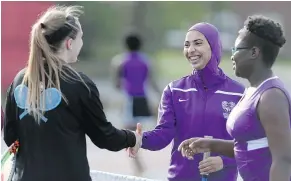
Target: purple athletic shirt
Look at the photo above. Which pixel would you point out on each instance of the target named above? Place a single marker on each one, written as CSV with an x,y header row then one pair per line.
x,y
134,72
189,110
251,149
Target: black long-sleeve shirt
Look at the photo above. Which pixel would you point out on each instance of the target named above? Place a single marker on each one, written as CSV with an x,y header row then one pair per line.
x,y
56,149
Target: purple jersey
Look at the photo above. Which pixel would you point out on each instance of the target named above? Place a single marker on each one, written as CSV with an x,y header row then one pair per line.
x,y
194,106
134,72
251,149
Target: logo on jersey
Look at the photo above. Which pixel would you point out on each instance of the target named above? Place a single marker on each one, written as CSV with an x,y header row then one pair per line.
x,y
227,108
53,98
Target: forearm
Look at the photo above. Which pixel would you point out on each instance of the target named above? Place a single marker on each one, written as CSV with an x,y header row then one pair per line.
x,y
119,140
280,170
223,147
157,139
104,135
10,132
9,137
117,81
165,131
117,84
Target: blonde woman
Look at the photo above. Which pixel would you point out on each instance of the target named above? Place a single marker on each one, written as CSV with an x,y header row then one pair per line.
x,y
50,107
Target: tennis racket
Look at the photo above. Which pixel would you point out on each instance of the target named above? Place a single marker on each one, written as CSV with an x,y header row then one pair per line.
x,y
8,160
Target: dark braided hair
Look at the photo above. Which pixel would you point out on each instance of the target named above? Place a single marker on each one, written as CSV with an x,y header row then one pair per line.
x,y
266,28
267,35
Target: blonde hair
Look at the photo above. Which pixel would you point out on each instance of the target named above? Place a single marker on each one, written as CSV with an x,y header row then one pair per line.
x,y
41,53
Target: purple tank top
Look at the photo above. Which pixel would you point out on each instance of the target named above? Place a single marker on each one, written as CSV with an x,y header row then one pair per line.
x,y
134,70
251,149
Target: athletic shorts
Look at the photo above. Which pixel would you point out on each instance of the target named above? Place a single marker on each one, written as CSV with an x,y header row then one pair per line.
x,y
136,109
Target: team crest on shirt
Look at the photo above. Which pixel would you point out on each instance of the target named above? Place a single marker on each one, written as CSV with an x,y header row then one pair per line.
x,y
227,108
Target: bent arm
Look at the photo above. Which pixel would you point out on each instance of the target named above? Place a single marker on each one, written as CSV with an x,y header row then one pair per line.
x,y
10,119
165,131
116,71
273,110
222,147
102,133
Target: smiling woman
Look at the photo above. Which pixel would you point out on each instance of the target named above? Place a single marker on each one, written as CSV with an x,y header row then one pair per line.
x,y
263,115
197,105
197,49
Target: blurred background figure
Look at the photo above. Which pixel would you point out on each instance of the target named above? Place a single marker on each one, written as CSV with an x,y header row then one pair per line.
x,y
132,74
162,27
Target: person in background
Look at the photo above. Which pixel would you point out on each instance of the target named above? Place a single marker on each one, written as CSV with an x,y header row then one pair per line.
x,y
133,74
197,105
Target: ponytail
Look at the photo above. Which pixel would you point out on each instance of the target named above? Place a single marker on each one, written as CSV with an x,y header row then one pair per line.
x,y
44,65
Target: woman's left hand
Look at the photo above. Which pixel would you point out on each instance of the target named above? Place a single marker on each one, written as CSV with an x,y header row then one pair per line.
x,y
210,165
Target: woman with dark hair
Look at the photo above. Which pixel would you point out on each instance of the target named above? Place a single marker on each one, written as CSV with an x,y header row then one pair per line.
x,y
260,123
197,105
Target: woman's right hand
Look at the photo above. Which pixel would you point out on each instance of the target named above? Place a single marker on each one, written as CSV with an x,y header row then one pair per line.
x,y
192,146
138,136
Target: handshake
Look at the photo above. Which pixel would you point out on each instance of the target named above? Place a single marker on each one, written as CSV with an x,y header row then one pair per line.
x,y
132,151
188,149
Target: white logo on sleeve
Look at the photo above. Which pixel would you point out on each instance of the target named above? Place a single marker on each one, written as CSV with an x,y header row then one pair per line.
x,y
183,100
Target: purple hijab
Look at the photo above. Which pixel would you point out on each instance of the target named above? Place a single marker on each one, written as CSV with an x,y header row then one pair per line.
x,y
211,75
